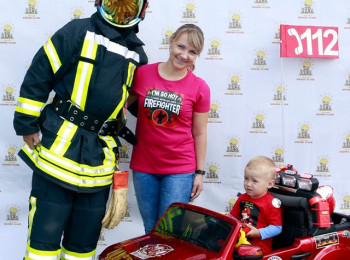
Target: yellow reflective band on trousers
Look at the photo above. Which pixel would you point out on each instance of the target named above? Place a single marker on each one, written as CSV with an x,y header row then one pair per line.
x,y
31,216
68,255
34,254
29,106
52,56
70,171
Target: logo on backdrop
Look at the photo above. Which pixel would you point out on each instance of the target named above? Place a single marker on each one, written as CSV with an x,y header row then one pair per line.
x,y
346,144
7,34
279,96
101,239
162,107
8,97
305,73
347,25
166,39
231,202
233,148
325,107
304,135
31,10
235,24
278,157
345,205
277,35
261,4
189,13
347,83
307,10
322,168
12,216
214,50
124,152
77,13
258,125
236,186
148,8
10,158
234,85
260,62
212,175
214,115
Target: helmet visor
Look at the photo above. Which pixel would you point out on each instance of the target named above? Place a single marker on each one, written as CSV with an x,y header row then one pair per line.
x,y
121,13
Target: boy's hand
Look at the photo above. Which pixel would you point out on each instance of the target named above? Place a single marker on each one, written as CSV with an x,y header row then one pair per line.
x,y
254,232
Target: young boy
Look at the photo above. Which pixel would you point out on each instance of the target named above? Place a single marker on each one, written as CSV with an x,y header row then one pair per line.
x,y
257,208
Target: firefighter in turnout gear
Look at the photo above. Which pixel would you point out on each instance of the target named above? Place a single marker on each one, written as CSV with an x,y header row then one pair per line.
x,y
71,141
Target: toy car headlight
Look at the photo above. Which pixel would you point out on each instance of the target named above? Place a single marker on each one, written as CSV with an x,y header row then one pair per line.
x,y
290,172
306,182
277,178
288,180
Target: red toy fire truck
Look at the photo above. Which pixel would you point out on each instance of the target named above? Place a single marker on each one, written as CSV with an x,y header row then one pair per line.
x,y
311,230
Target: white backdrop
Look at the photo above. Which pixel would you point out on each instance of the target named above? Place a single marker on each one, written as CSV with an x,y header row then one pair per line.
x,y
293,110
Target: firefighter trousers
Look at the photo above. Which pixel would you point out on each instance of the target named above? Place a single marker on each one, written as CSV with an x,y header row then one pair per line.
x,y
63,224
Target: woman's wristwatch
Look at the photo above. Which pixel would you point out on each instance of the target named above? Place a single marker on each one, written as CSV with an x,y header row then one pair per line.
x,y
200,172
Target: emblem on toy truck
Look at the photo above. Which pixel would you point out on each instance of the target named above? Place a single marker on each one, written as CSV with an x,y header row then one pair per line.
x,y
153,250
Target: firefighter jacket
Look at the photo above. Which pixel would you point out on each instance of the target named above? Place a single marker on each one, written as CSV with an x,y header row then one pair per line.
x,y
91,64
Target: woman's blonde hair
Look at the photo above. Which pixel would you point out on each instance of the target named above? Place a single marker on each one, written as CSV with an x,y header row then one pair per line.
x,y
195,36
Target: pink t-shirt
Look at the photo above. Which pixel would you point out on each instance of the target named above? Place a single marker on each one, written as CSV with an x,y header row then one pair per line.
x,y
164,123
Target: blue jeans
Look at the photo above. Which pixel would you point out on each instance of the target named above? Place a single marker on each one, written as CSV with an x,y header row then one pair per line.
x,y
155,193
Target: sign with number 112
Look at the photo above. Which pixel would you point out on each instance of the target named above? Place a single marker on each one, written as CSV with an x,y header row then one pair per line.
x,y
309,41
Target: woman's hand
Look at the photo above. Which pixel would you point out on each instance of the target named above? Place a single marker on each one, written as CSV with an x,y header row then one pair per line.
x,y
32,140
199,132
197,186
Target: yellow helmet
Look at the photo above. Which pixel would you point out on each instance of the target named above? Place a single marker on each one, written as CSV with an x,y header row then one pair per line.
x,y
122,13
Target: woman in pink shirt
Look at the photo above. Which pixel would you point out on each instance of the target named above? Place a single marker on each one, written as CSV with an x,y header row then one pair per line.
x,y
171,130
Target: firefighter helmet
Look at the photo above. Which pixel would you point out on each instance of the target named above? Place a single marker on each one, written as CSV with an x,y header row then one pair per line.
x,y
122,13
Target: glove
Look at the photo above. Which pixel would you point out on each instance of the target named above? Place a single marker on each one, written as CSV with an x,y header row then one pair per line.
x,y
118,201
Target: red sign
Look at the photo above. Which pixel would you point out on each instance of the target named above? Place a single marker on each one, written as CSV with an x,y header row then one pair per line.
x,y
309,41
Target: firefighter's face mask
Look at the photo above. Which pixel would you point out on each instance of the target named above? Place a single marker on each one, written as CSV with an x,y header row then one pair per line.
x,y
122,13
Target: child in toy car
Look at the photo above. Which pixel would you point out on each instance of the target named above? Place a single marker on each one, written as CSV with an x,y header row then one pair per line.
x,y
257,208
